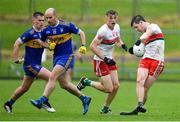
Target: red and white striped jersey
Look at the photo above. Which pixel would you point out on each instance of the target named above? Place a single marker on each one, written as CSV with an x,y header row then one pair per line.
x,y
154,45
108,37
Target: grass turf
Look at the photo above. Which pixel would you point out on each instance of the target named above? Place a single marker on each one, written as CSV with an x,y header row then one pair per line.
x,y
162,104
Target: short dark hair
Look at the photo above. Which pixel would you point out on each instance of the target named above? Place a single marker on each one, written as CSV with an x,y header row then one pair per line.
x,y
136,19
112,12
35,14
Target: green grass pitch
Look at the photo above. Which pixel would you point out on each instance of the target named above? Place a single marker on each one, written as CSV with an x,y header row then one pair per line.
x,y
163,103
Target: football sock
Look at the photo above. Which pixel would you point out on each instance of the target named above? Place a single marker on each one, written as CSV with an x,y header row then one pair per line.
x,y
43,99
105,107
141,104
11,102
87,82
81,97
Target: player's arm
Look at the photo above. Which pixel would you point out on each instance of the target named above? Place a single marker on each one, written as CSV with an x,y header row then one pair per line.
x,y
47,44
93,47
142,38
146,35
121,44
82,37
16,48
82,49
44,44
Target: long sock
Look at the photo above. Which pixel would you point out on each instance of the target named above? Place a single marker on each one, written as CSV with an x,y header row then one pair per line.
x,y
141,104
81,97
11,102
43,99
106,107
87,82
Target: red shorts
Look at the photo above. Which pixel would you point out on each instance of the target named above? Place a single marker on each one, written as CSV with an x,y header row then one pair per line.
x,y
155,67
102,69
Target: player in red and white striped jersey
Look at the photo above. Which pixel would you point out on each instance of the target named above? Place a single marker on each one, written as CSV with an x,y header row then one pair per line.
x,y
105,67
151,64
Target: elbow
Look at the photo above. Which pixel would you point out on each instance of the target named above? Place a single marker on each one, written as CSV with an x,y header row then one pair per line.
x,y
91,46
16,46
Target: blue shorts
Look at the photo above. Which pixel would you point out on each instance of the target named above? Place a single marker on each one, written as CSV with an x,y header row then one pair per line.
x,y
32,70
66,61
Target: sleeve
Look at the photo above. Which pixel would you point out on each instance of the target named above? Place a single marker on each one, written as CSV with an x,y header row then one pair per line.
x,y
100,34
73,28
24,37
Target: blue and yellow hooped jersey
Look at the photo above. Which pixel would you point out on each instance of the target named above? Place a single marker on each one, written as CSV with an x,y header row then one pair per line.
x,y
61,35
33,50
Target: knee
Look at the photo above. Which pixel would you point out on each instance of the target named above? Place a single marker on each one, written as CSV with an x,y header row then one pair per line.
x,y
52,78
140,82
108,90
116,86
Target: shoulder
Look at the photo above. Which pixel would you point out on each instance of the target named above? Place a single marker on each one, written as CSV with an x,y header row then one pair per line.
x,y
153,25
117,26
154,28
65,23
29,31
103,28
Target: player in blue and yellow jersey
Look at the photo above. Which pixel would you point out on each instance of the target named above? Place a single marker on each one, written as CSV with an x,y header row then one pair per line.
x,y
59,32
32,60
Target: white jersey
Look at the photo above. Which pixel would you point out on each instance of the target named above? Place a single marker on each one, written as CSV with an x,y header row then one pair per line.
x,y
154,45
108,37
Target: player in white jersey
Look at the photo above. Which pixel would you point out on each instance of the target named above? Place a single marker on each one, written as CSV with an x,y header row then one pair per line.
x,y
105,67
151,64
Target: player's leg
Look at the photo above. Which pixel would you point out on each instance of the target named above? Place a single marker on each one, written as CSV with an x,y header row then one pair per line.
x,y
142,75
102,71
154,72
71,88
69,74
110,96
149,82
44,74
26,84
56,72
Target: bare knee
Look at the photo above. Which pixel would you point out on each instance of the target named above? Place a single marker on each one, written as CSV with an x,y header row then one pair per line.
x,y
140,83
108,90
116,87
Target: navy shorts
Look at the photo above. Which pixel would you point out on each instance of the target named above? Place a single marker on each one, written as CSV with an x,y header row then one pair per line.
x,y
32,70
66,61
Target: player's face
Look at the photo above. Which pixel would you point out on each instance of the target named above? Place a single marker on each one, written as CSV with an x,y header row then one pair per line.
x,y
38,22
111,20
139,27
51,19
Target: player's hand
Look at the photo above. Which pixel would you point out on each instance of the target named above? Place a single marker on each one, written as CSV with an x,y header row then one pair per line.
x,y
82,49
131,50
109,61
124,47
19,61
138,42
52,45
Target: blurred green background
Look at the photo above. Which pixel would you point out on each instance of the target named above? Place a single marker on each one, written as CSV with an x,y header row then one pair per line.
x,y
89,15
